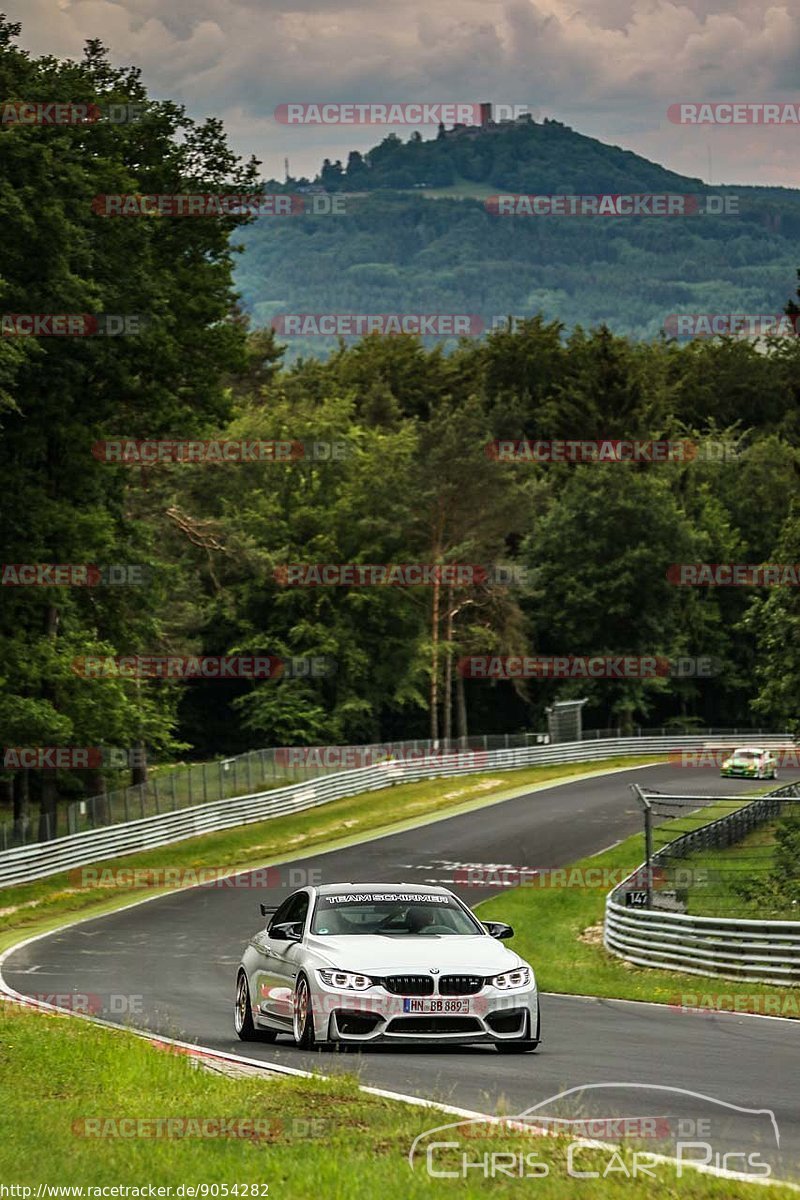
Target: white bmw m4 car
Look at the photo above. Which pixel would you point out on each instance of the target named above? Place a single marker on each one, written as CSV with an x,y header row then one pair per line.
x,y
384,963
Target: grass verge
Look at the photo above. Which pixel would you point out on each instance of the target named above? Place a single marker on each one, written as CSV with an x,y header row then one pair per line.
x,y
739,881
31,908
319,1138
560,931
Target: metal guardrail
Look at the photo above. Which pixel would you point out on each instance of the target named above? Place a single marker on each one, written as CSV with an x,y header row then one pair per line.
x,y
188,785
24,863
727,947
240,774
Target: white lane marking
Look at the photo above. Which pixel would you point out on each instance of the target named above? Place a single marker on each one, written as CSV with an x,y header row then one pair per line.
x,y
716,1012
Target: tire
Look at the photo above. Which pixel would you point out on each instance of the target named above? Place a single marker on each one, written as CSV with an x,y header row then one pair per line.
x,y
522,1045
303,1014
243,1015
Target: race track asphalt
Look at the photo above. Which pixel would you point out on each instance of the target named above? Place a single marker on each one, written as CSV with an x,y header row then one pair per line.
x,y
179,954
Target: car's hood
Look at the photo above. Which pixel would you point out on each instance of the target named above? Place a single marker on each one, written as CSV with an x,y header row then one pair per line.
x,y
377,954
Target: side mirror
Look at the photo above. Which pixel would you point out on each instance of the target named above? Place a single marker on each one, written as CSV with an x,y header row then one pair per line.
x,y
498,929
287,931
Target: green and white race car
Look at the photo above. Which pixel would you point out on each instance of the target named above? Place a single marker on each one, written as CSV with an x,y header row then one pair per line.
x,y
750,762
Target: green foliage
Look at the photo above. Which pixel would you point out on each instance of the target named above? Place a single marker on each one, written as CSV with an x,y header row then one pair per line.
x,y
415,483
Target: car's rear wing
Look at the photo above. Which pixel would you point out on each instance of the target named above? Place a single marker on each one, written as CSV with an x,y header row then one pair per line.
x,y
266,909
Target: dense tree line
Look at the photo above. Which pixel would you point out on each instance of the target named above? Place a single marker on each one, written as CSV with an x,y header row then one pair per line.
x,y
592,542
400,252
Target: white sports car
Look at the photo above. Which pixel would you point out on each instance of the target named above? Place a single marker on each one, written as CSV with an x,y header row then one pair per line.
x,y
373,962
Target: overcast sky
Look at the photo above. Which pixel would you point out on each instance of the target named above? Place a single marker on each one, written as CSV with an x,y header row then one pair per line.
x,y
608,68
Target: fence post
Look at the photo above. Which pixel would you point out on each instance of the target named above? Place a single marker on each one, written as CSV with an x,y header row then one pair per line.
x,y
648,841
172,784
205,782
191,768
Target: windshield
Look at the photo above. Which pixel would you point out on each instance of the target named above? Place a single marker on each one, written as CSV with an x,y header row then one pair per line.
x,y
747,755
392,913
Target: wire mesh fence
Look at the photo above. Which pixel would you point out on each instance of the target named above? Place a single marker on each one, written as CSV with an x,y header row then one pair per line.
x,y
732,856
186,785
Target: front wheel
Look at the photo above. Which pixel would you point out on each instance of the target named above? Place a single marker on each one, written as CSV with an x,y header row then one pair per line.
x,y
243,1015
303,1014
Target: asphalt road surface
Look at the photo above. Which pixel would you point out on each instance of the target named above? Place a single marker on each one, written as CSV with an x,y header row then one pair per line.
x,y
177,958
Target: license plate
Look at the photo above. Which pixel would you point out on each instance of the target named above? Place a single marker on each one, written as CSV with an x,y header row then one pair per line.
x,y
435,1006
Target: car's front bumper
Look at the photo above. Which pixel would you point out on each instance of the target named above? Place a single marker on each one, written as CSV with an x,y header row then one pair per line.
x,y
379,1016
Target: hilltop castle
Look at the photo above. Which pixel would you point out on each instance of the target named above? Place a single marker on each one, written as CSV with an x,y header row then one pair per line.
x,y
487,124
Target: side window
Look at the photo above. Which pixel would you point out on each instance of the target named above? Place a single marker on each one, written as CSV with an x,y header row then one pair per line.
x,y
281,914
299,910
293,909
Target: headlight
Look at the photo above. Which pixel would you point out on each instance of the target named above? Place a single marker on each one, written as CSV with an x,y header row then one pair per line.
x,y
345,980
512,979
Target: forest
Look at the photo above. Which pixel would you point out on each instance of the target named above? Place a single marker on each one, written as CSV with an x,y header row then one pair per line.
x,y
391,462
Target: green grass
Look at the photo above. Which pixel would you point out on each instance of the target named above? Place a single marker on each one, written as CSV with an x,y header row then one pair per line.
x,y
750,860
322,1139
36,907
559,930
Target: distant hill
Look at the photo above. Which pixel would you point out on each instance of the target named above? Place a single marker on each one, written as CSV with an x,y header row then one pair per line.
x,y
417,236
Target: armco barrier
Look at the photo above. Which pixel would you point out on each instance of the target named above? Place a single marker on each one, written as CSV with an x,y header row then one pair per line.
x,y
25,863
727,947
